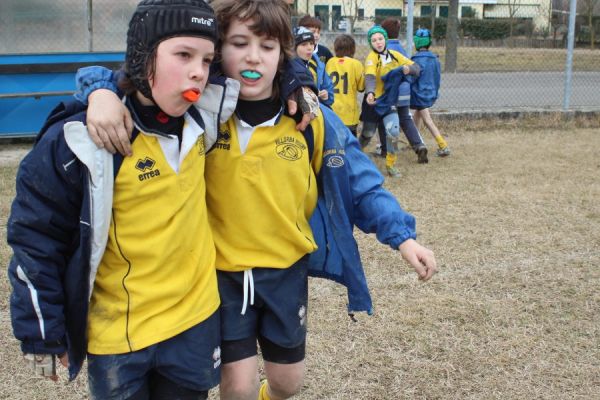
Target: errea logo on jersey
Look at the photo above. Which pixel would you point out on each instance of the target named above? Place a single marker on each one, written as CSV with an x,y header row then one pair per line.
x,y
147,167
203,21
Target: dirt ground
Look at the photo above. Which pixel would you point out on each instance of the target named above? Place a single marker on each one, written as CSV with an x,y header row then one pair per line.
x,y
514,219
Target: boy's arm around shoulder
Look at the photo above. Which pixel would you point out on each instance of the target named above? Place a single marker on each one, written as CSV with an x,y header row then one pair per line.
x,y
89,79
42,231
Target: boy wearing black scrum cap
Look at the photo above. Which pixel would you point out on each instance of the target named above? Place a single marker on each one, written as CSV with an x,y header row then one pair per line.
x,y
304,46
101,268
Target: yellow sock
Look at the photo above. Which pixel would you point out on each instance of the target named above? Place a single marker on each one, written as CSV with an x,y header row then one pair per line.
x,y
390,160
263,393
441,142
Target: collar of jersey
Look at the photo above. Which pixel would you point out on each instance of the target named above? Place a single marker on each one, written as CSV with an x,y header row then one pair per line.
x,y
271,122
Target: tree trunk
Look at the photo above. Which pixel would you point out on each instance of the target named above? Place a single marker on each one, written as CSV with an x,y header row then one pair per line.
x,y
591,23
433,9
451,37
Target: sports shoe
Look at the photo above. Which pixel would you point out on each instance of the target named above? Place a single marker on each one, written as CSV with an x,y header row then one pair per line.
x,y
377,154
422,155
393,172
443,152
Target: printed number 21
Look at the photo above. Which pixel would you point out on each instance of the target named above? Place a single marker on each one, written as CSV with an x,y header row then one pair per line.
x,y
335,78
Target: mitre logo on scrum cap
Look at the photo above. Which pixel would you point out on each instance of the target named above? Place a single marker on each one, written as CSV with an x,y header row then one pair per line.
x,y
203,21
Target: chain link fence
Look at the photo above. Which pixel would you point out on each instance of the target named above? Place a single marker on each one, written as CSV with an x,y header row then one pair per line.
x,y
509,54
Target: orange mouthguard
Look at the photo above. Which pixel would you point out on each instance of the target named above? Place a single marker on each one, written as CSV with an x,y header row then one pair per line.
x,y
191,95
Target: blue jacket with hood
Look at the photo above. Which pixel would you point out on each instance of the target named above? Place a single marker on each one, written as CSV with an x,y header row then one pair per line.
x,y
351,194
424,89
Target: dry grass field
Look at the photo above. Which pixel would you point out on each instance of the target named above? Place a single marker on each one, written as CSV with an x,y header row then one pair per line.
x,y
514,312
504,59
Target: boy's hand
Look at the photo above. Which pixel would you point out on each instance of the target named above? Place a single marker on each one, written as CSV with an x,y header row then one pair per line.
x,y
323,95
406,69
109,122
308,103
44,364
371,99
419,257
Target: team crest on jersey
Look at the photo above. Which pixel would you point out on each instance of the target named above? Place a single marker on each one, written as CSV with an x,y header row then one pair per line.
x,y
335,162
200,145
147,167
289,148
223,139
216,357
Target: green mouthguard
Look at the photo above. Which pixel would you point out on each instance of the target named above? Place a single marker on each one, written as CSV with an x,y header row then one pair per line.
x,y
251,74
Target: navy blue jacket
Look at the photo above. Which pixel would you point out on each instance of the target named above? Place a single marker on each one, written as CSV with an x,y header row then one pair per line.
x,y
49,230
424,89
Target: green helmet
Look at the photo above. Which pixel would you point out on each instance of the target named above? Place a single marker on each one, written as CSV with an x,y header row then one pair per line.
x,y
376,29
422,38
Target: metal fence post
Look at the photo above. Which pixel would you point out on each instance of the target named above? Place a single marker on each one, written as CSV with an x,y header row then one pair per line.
x,y
409,27
90,28
570,47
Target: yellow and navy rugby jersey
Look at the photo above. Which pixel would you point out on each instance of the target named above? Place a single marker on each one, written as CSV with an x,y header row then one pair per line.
x,y
379,66
312,67
157,276
260,200
347,75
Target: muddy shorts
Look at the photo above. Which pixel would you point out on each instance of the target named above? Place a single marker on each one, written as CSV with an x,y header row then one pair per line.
x,y
192,360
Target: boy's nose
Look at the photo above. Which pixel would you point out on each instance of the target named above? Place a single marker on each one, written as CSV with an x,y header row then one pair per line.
x,y
252,56
197,73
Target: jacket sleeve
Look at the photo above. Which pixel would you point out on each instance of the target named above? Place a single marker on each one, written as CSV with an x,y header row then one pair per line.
x,y
327,85
89,79
295,75
375,209
42,231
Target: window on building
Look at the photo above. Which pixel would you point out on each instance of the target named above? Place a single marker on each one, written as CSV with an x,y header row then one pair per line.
x,y
383,13
425,10
361,13
467,12
443,11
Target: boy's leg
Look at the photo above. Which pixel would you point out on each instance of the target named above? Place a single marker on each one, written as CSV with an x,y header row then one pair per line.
x,y
412,134
283,380
239,379
282,335
433,129
367,133
392,133
417,118
382,138
239,373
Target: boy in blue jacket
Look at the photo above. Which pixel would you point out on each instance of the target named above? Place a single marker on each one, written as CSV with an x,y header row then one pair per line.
x,y
425,88
304,45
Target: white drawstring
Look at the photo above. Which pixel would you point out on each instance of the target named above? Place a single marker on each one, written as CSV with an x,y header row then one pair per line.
x,y
248,280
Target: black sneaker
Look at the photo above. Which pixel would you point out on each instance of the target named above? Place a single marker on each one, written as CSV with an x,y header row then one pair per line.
x,y
422,155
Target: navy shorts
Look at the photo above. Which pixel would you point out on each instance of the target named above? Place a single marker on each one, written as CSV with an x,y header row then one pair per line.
x,y
192,360
277,319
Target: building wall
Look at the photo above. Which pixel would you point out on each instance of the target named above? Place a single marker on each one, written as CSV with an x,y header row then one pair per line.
x,y
537,10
